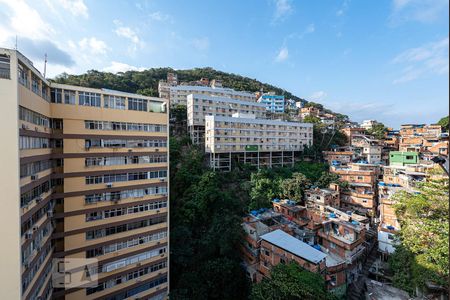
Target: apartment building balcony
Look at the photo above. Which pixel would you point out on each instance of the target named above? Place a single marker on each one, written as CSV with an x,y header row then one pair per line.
x,y
355,254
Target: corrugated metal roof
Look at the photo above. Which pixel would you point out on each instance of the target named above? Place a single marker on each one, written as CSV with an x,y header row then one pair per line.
x,y
289,243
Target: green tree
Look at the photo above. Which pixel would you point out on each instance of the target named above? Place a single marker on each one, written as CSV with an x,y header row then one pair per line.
x,y
423,250
311,119
293,188
444,123
327,178
290,282
378,131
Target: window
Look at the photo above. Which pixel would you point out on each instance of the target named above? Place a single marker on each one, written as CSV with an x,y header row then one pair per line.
x,y
35,84
5,72
56,95
137,104
23,75
115,102
89,99
69,97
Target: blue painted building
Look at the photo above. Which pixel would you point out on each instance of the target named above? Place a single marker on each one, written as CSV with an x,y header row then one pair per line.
x,y
274,103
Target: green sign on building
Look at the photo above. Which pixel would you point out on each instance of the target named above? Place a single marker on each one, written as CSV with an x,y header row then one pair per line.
x,y
251,147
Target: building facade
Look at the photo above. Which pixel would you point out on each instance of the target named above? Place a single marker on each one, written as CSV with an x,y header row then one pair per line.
x,y
178,94
87,178
258,142
200,105
273,103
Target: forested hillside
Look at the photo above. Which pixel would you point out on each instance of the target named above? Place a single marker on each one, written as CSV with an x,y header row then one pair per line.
x,y
146,82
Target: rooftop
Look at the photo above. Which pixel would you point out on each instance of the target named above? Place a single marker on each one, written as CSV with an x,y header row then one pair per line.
x,y
289,243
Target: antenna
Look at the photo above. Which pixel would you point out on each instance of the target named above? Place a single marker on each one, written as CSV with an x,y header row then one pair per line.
x,y
45,64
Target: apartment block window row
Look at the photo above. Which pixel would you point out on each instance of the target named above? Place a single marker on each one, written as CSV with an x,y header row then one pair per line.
x,y
38,191
33,117
136,193
114,102
144,239
101,143
124,126
89,99
47,291
38,166
124,160
29,223
126,277
139,289
109,178
43,253
36,244
109,267
116,212
29,142
99,233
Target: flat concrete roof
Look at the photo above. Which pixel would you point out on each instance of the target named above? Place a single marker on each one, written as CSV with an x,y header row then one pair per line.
x,y
289,243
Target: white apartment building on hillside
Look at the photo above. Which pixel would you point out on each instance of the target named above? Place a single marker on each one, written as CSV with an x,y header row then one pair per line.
x,y
200,105
259,142
178,94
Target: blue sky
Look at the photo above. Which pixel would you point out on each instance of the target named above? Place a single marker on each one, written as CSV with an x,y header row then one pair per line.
x,y
384,60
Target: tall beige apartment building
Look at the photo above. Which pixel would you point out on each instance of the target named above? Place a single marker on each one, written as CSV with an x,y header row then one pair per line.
x,y
84,175
200,105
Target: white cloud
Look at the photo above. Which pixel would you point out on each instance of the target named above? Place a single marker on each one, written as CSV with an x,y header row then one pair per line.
x,y
283,8
283,54
343,9
428,59
130,34
76,7
116,67
425,11
318,96
23,21
310,29
201,44
161,17
93,45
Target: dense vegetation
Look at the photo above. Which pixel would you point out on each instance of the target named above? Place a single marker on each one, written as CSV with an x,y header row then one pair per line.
x,y
444,123
421,259
290,281
378,131
146,82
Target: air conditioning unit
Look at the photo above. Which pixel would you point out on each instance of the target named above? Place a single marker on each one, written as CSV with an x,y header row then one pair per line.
x,y
28,235
156,150
162,179
35,228
34,177
36,129
116,201
50,214
26,265
130,150
157,210
109,185
24,126
38,199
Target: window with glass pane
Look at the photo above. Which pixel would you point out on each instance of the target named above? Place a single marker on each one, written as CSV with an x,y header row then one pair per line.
x,y
89,99
56,96
115,102
23,75
5,72
69,97
35,84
